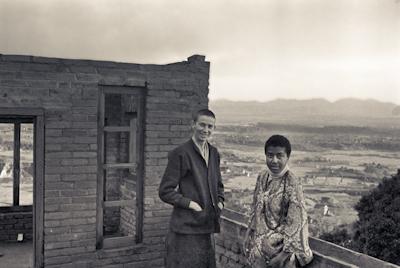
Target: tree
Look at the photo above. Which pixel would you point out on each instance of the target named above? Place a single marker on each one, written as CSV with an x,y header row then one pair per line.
x,y
377,231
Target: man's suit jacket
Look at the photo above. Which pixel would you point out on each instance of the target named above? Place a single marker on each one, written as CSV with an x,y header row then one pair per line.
x,y
187,178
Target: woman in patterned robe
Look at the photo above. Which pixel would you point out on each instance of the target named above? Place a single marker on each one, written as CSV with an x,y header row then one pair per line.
x,y
277,234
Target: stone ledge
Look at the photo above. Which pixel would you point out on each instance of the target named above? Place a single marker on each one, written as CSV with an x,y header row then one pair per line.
x,y
321,260
347,255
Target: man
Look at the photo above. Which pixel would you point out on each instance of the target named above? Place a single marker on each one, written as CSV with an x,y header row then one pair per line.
x,y
192,184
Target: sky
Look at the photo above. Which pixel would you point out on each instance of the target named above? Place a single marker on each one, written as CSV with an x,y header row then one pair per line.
x,y
258,49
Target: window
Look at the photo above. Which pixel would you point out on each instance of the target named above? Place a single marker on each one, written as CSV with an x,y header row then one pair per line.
x,y
16,162
22,145
120,166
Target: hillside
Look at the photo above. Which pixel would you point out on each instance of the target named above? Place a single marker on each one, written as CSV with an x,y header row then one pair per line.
x,y
309,112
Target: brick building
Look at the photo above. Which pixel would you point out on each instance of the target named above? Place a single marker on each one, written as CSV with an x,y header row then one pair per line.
x,y
101,134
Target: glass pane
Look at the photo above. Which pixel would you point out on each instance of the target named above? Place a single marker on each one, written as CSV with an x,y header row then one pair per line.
x,y
119,184
26,164
127,224
120,220
112,185
116,147
6,164
120,109
111,222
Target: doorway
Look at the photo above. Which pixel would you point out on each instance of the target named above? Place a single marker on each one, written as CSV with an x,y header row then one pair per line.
x,y
21,187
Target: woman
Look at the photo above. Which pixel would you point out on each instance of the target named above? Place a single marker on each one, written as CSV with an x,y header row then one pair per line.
x,y
277,234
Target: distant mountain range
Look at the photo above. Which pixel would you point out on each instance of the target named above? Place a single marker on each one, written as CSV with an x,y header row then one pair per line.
x,y
347,111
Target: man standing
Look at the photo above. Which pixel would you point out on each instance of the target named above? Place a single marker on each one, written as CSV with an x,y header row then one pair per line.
x,y
192,184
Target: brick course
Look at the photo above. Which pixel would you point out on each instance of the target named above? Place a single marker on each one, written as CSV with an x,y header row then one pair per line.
x,y
14,223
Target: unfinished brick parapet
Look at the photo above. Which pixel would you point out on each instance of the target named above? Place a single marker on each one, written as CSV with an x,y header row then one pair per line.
x,y
67,91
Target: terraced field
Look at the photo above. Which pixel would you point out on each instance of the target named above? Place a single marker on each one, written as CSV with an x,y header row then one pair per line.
x,y
333,177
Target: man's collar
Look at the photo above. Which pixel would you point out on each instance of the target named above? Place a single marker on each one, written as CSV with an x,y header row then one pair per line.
x,y
200,146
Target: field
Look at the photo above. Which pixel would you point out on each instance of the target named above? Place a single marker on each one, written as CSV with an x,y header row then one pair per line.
x,y
336,167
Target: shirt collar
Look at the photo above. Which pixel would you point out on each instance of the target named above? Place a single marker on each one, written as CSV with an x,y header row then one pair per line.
x,y
203,147
283,172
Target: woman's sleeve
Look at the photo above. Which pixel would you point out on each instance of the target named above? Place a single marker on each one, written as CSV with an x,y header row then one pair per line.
x,y
248,238
255,201
296,227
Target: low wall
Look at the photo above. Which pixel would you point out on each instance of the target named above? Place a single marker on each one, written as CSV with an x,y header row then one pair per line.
x,y
13,223
229,252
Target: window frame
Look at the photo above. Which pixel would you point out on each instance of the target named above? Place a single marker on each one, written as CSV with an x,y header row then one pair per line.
x,y
112,242
36,116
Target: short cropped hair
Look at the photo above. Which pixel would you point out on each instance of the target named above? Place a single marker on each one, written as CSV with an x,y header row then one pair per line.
x,y
278,140
205,112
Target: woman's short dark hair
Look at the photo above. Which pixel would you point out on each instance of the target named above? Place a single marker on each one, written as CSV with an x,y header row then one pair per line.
x,y
205,112
278,140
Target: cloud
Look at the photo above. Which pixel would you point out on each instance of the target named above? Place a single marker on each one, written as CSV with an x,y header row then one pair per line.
x,y
312,46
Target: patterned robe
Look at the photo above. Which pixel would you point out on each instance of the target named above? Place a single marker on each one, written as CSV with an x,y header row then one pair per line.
x,y
278,223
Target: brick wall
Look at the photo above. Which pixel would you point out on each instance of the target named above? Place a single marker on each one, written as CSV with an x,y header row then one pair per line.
x,y
67,90
14,223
